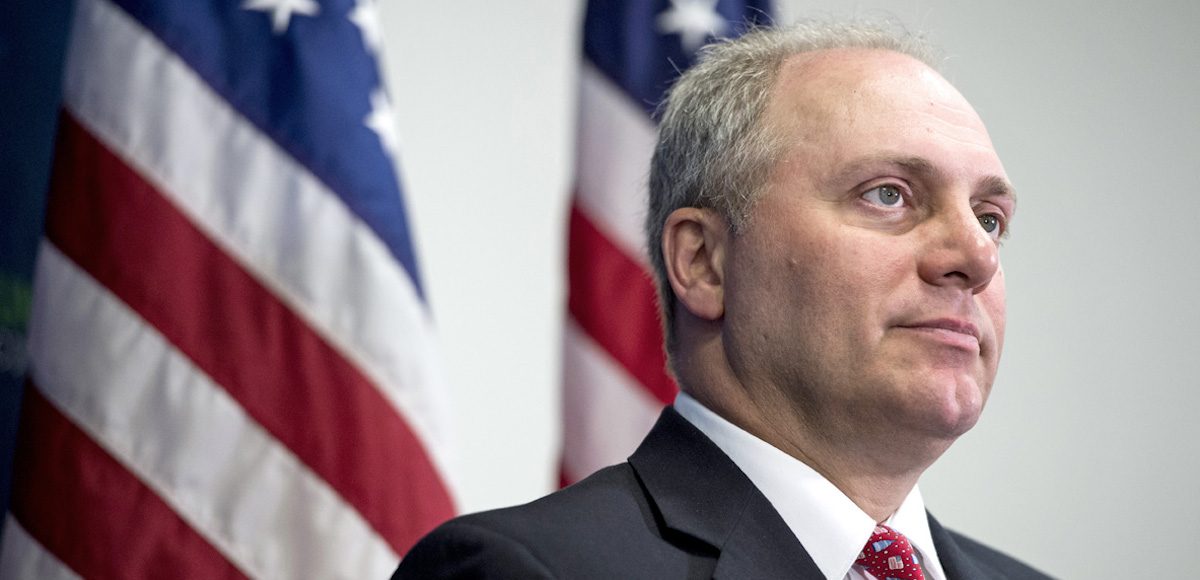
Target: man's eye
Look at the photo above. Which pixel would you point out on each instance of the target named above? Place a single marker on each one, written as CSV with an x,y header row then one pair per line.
x,y
991,224
885,195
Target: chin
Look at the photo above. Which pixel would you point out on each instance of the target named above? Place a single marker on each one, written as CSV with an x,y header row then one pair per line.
x,y
955,406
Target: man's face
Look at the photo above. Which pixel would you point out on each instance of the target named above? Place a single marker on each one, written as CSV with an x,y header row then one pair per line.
x,y
866,284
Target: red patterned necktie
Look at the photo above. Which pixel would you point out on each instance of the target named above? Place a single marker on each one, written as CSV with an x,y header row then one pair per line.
x,y
889,556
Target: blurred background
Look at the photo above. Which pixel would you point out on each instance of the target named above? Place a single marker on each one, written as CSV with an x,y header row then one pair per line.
x,y
1086,459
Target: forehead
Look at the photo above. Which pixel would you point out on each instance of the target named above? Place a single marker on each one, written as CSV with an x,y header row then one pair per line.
x,y
845,104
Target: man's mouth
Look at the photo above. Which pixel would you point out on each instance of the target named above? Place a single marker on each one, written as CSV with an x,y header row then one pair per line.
x,y
955,332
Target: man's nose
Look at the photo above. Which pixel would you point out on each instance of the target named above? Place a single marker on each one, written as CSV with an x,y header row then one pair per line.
x,y
958,252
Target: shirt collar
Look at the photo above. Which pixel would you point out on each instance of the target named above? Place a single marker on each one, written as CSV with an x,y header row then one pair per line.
x,y
831,527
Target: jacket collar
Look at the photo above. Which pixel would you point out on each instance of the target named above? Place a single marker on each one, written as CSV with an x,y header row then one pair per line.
x,y
696,490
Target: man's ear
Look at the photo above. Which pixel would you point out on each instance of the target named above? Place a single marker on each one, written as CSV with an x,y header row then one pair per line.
x,y
695,241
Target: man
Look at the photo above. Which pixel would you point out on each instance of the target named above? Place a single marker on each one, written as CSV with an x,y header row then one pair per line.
x,y
825,217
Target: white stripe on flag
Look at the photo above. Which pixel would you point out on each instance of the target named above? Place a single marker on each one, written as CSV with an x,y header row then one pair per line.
x,y
24,558
616,141
260,207
248,495
606,413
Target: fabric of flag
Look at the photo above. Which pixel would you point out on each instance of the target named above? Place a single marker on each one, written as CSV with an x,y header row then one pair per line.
x,y
614,367
232,368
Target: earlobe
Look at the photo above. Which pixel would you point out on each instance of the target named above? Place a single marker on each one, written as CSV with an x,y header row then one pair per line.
x,y
694,245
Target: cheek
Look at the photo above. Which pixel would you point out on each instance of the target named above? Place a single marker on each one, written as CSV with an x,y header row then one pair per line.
x,y
792,288
866,276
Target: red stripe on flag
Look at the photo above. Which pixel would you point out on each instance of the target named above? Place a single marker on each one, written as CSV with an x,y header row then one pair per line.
x,y
92,513
127,235
612,299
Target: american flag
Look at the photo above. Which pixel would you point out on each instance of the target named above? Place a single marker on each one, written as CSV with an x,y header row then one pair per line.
x,y
615,377
233,371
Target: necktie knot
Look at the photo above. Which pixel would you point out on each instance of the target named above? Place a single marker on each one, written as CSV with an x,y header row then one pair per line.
x,y
889,556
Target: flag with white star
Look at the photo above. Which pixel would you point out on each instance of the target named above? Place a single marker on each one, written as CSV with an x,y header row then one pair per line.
x,y
232,366
615,380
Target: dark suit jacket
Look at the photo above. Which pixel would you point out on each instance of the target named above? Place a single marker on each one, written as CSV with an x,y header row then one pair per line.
x,y
680,508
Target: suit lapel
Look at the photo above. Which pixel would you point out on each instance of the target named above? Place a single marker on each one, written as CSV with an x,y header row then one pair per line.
x,y
698,491
955,562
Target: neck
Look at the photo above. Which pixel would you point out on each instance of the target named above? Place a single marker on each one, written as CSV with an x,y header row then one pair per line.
x,y
875,467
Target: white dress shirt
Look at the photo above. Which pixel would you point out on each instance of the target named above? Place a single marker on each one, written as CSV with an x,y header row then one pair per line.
x,y
831,527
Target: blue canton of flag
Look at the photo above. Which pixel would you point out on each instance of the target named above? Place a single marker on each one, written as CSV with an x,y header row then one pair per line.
x,y
305,73
643,46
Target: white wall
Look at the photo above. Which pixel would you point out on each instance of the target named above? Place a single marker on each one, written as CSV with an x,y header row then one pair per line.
x,y
1086,460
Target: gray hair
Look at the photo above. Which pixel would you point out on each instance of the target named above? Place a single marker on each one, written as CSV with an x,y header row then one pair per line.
x,y
713,150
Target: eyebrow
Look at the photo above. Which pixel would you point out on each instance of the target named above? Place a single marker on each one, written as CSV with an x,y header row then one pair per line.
x,y
996,186
989,186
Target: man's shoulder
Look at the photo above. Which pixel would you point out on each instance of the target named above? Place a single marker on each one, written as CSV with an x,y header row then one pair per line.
x,y
607,498
598,527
